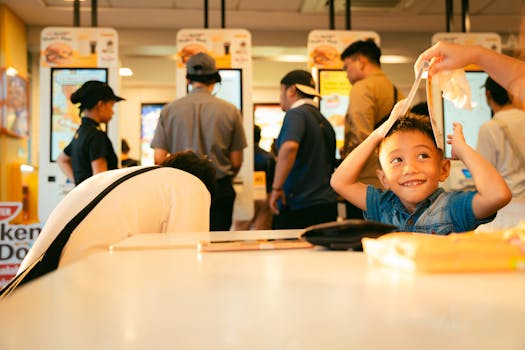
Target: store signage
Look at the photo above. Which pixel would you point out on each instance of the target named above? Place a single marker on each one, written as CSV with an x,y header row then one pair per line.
x,y
15,240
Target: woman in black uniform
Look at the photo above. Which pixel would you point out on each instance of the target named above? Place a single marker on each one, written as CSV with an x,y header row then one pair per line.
x,y
90,152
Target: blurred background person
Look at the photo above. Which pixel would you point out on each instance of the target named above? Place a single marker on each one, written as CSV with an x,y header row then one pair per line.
x,y
263,162
125,160
90,151
501,140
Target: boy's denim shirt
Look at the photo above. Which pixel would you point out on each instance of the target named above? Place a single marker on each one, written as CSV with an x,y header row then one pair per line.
x,y
441,213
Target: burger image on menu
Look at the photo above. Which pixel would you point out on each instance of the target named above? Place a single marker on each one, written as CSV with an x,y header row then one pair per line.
x,y
325,56
59,53
190,50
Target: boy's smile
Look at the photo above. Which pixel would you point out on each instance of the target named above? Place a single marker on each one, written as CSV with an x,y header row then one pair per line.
x,y
411,166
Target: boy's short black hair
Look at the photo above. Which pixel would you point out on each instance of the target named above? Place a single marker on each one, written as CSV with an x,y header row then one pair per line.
x,y
412,122
366,48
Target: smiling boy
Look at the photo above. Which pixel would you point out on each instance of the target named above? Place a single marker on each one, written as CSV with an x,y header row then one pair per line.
x,y
411,169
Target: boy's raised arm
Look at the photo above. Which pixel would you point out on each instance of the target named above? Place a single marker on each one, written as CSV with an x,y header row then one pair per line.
x,y
344,179
493,192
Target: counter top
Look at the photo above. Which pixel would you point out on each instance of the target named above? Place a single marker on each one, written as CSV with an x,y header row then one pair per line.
x,y
280,299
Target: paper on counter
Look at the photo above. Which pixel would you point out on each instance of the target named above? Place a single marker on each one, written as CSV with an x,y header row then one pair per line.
x,y
461,252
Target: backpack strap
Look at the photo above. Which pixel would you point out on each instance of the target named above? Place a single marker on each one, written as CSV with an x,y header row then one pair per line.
x,y
49,259
512,142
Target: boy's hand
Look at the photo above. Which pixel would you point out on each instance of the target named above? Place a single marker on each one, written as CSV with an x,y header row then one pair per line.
x,y
456,140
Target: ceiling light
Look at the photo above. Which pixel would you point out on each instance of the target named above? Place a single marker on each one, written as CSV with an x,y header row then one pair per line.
x,y
289,58
393,59
125,72
11,72
26,168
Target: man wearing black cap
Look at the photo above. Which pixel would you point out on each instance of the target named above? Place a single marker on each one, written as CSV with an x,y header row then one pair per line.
x,y
501,141
209,126
301,193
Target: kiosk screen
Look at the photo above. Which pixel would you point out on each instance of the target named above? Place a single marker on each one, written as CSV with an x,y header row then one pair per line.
x,y
470,119
334,89
230,87
149,116
269,117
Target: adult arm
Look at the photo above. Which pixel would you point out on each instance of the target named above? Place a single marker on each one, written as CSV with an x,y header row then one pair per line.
x,y
345,178
64,163
99,165
492,190
236,160
285,161
238,143
159,155
507,71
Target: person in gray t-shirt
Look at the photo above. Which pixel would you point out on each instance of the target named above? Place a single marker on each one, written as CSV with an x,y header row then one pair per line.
x,y
210,127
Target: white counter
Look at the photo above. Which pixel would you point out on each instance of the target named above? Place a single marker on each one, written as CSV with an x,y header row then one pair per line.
x,y
287,299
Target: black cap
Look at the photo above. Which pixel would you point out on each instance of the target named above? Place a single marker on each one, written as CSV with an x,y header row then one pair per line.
x,y
302,80
93,91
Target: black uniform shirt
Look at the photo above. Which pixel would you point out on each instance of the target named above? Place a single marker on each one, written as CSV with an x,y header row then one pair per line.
x,y
88,144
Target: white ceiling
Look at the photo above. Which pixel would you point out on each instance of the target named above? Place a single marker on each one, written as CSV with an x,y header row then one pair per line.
x,y
379,15
147,28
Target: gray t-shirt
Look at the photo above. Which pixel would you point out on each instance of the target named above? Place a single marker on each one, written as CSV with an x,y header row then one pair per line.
x,y
203,123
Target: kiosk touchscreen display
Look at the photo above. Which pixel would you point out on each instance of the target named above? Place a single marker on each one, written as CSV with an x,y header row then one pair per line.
x,y
334,89
149,117
230,87
470,119
65,118
269,117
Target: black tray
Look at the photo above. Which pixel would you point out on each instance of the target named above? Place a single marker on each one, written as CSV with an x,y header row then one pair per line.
x,y
347,234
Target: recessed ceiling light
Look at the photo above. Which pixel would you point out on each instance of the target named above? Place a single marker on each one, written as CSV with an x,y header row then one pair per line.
x,y
393,59
289,58
11,71
125,72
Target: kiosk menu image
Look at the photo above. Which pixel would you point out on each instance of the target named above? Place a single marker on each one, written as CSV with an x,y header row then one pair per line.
x,y
470,119
334,89
64,115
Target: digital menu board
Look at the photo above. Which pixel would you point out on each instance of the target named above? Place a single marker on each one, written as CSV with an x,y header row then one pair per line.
x,y
334,89
269,117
